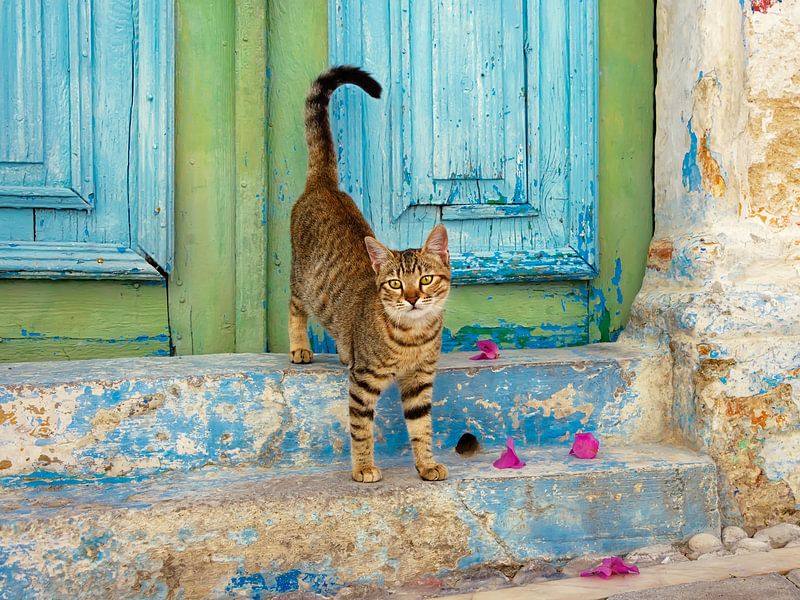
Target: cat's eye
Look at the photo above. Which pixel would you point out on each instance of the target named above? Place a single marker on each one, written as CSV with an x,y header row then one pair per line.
x,y
395,284
426,280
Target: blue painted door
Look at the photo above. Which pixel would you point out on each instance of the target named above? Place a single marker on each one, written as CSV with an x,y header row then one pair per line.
x,y
86,96
488,124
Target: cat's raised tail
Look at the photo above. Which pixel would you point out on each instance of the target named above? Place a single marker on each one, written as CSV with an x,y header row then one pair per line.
x,y
321,156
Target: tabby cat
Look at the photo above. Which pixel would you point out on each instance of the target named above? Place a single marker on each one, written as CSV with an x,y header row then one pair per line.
x,y
383,307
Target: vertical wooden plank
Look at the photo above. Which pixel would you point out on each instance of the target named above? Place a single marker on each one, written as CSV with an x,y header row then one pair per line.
x,y
297,34
21,115
627,82
201,286
582,134
468,95
251,197
554,112
103,40
153,110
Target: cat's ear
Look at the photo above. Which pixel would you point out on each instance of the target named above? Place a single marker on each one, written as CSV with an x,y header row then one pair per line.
x,y
437,243
378,253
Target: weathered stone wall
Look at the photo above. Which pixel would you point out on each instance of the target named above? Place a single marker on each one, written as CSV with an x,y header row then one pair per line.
x,y
722,289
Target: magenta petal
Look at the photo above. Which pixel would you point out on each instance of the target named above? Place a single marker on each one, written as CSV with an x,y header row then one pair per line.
x,y
489,348
509,459
481,356
617,565
585,446
613,565
601,571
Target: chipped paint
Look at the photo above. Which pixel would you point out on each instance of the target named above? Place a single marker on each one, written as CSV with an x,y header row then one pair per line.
x,y
560,405
145,416
762,5
691,172
659,257
712,175
319,532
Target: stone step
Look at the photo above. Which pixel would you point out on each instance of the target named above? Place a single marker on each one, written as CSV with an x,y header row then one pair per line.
x,y
234,532
130,417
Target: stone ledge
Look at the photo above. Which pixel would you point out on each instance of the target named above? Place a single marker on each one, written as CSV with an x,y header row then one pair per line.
x,y
130,417
226,532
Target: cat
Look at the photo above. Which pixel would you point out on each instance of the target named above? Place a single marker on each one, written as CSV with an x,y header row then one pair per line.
x,y
384,308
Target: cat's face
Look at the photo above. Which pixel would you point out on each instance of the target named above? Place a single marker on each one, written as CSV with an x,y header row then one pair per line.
x,y
413,284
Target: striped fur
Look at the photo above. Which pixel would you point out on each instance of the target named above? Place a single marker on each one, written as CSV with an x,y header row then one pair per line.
x,y
383,307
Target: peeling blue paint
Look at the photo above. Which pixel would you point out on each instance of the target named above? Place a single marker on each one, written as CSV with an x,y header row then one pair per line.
x,y
692,179
260,585
323,344
615,281
650,494
243,397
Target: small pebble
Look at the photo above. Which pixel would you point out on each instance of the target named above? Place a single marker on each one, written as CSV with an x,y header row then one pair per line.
x,y
732,534
748,546
779,535
703,543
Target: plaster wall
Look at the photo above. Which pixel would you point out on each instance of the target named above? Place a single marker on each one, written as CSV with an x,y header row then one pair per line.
x,y
722,288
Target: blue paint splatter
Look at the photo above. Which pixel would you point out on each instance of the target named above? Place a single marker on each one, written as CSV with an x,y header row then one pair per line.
x,y
617,278
691,172
324,344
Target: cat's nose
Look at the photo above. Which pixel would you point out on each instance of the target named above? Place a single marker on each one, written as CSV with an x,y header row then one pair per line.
x,y
412,300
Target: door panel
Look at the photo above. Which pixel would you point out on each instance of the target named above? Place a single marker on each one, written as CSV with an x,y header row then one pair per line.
x,y
97,182
45,112
487,123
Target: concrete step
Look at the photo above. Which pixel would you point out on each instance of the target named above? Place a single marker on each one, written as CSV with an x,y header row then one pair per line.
x,y
132,417
246,532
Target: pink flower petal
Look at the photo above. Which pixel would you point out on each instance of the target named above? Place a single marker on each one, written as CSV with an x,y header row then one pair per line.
x,y
489,348
613,565
585,446
601,571
481,356
509,459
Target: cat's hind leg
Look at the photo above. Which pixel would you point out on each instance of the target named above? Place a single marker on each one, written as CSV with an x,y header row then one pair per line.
x,y
299,348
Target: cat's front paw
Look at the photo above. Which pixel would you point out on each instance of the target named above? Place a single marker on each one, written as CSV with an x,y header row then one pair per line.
x,y
301,356
433,472
367,474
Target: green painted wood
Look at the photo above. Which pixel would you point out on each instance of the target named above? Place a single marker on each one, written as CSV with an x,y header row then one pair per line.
x,y
508,312
553,315
47,320
627,115
251,197
297,34
202,298
153,119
